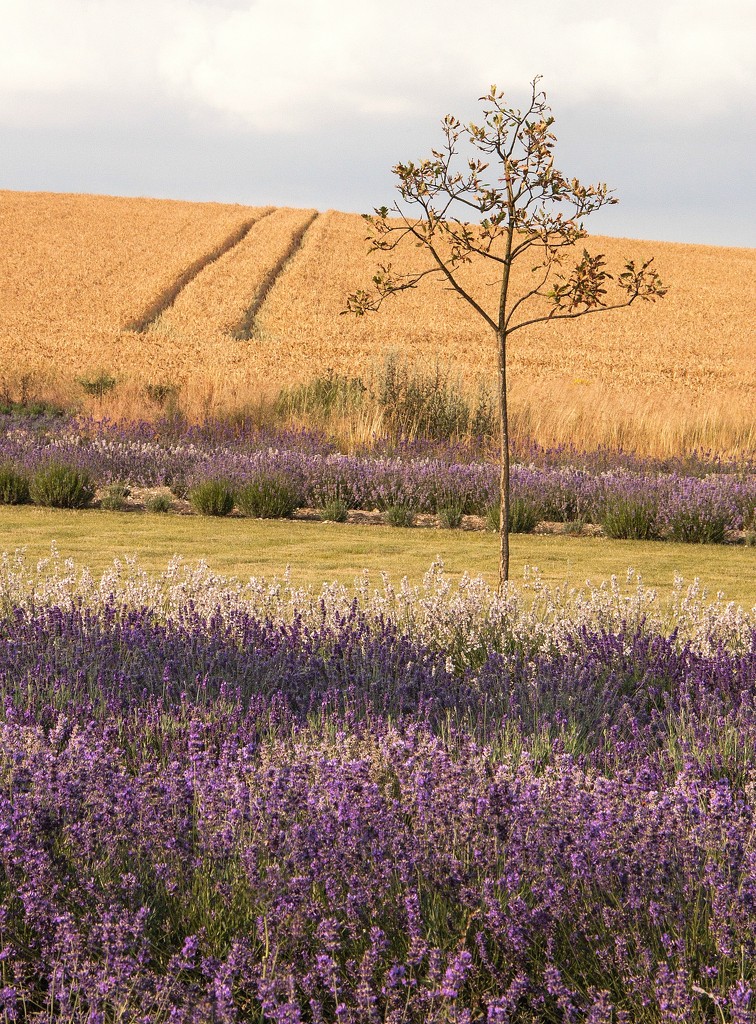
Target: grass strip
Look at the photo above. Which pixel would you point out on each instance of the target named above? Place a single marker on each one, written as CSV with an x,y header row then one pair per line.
x,y
319,552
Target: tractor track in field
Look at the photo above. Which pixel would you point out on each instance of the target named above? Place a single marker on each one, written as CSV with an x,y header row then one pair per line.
x,y
169,295
244,330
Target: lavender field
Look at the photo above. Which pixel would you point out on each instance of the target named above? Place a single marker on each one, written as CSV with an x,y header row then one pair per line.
x,y
697,499
227,802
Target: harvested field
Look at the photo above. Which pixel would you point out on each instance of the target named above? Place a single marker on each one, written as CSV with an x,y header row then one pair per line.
x,y
661,378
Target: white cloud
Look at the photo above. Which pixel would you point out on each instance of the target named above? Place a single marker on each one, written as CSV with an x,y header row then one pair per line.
x,y
282,65
278,63
62,60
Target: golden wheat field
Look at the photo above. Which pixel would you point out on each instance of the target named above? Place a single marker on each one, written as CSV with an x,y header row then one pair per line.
x,y
78,272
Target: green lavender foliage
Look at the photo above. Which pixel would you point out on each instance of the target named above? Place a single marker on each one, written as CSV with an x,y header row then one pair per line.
x,y
212,498
14,486
268,496
61,486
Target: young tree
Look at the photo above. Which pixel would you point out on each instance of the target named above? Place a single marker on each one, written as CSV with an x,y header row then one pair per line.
x,y
500,201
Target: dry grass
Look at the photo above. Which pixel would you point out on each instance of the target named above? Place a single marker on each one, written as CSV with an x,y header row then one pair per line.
x,y
193,342
660,378
76,269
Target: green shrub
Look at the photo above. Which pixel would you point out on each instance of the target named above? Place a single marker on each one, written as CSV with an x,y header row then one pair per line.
x,y
23,403
14,487
630,518
97,386
159,503
450,516
691,526
523,516
430,405
162,394
212,498
61,486
334,511
399,515
31,410
114,499
268,497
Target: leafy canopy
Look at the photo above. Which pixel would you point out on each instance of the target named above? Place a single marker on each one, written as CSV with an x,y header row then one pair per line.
x,y
499,199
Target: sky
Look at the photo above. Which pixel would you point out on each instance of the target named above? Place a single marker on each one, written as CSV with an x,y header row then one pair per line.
x,y
312,102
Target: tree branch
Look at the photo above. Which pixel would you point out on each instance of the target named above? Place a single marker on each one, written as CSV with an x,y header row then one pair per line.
x,y
578,313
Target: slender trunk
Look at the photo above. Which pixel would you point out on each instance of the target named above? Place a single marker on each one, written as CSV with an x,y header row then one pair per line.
x,y
501,338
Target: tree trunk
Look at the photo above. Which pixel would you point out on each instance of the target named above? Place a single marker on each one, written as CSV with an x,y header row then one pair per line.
x,y
501,338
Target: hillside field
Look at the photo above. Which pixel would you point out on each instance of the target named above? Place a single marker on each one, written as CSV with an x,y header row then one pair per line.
x,y
228,304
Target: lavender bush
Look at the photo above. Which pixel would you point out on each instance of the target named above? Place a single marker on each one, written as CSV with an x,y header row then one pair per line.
x,y
449,515
702,513
700,506
14,487
268,496
212,497
59,485
226,802
399,514
335,510
630,517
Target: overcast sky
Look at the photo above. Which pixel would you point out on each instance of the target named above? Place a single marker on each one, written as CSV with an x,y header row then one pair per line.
x,y
311,102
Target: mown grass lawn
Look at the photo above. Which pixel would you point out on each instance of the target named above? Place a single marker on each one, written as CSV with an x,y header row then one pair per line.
x,y
318,552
